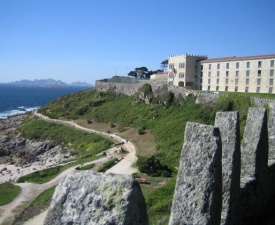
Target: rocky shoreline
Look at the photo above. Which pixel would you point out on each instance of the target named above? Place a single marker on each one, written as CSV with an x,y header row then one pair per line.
x,y
20,156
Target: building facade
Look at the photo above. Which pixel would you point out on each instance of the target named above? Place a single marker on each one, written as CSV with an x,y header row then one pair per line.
x,y
233,74
182,70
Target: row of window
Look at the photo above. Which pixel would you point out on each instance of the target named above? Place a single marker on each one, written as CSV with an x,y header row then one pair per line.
x,y
171,75
237,65
259,73
258,89
172,65
246,81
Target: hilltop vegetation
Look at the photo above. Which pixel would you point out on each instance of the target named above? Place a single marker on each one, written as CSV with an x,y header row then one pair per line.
x,y
165,118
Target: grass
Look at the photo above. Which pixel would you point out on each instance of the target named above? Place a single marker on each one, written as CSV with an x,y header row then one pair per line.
x,y
164,125
82,144
8,192
88,167
39,204
44,197
107,165
41,176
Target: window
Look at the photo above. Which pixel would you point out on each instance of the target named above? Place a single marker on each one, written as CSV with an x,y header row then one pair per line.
x,y
208,88
270,89
209,66
226,88
248,65
218,66
218,73
259,64
271,73
227,73
227,65
171,76
236,88
258,89
247,73
237,73
181,65
247,82
259,73
271,82
226,81
246,89
237,65
209,81
271,63
209,74
217,88
171,66
218,81
236,81
181,75
259,81
201,67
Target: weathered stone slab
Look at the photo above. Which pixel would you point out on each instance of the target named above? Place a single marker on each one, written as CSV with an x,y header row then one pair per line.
x,y
92,198
228,123
198,195
271,134
254,148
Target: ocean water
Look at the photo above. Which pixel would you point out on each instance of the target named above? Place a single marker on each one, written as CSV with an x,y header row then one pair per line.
x,y
18,100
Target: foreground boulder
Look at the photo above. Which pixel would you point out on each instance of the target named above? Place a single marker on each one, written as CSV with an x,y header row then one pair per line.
x,y
92,198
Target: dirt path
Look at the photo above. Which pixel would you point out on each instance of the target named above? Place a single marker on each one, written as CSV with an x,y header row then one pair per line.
x,y
30,191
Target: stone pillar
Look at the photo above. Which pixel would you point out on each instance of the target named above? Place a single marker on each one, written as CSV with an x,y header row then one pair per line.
x,y
198,195
228,123
92,198
271,134
254,148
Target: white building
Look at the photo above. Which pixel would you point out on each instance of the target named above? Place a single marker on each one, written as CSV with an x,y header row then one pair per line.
x,y
234,74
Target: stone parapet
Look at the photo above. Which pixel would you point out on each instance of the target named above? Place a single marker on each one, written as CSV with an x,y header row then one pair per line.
x,y
198,193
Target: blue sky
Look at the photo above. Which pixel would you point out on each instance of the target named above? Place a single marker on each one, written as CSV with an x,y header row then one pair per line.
x,y
87,40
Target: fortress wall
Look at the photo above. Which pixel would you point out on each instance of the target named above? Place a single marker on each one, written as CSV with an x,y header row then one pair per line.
x,y
228,123
198,193
247,193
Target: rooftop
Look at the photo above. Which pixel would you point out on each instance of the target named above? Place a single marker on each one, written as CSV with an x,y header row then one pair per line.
x,y
235,58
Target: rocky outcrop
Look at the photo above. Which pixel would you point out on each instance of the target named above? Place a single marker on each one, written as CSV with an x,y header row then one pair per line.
x,y
15,149
92,198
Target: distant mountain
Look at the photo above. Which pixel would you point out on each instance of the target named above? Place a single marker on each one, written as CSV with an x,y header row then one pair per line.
x,y
48,83
78,83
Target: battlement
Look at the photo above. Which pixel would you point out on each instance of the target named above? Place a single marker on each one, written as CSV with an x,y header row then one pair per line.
x,y
222,180
188,55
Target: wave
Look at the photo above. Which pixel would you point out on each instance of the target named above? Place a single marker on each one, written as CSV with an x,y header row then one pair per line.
x,y
17,111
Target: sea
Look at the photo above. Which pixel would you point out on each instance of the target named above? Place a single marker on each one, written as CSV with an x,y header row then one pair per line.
x,y
18,100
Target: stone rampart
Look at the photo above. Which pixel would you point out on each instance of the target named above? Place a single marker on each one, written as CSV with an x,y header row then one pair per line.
x,y
248,179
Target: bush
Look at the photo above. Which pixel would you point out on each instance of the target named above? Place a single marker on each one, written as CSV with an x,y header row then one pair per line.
x,y
152,166
141,131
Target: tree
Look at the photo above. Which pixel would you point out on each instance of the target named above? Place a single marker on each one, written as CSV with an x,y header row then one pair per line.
x,y
141,71
164,64
132,74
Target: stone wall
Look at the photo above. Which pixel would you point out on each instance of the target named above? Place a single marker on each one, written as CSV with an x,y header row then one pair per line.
x,y
248,179
157,88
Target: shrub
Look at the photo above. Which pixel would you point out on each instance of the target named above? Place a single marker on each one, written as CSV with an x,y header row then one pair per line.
x,y
152,166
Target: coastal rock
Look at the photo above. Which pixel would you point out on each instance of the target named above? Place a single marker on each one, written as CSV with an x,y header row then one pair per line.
x,y
92,198
14,149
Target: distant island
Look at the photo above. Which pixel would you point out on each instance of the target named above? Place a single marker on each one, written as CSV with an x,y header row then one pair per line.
x,y
48,83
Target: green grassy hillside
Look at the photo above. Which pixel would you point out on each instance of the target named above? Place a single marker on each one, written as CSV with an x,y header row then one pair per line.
x,y
166,123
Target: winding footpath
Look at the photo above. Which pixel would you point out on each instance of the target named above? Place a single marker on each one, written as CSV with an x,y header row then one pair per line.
x,y
29,191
